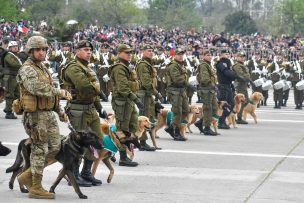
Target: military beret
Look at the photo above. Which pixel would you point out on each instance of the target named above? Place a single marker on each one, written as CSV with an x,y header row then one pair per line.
x,y
179,51
84,43
160,48
240,54
147,46
225,51
124,48
105,45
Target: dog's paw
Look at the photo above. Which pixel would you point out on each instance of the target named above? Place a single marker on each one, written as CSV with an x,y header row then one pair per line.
x,y
82,196
158,148
52,190
23,190
110,177
11,185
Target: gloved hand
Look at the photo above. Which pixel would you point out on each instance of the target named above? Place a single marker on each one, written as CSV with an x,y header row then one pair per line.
x,y
103,96
63,117
102,113
65,94
160,97
139,103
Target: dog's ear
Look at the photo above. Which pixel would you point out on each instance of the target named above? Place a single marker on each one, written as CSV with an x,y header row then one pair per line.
x,y
237,99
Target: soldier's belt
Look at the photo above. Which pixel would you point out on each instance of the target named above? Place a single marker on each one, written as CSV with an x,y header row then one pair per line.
x,y
80,107
206,88
176,89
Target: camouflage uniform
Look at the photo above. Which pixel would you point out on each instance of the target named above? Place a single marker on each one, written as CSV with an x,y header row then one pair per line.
x,y
11,66
206,78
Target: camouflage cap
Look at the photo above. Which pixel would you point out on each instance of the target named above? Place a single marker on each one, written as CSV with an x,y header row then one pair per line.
x,y
147,46
179,51
84,43
124,48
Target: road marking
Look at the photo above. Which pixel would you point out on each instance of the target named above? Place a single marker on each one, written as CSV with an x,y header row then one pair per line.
x,y
211,153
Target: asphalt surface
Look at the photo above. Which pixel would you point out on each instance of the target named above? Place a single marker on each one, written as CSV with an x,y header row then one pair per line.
x,y
261,162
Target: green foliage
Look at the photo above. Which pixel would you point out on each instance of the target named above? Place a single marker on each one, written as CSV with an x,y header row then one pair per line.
x,y
9,10
168,13
63,32
240,22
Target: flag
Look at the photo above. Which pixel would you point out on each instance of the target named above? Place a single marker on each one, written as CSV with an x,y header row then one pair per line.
x,y
22,28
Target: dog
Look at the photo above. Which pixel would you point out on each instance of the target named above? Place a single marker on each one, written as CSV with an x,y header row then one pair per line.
x,y
71,150
221,105
194,112
238,100
104,155
4,151
250,108
194,118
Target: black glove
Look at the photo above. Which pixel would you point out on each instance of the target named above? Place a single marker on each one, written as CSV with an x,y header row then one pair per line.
x,y
139,103
102,113
103,96
159,97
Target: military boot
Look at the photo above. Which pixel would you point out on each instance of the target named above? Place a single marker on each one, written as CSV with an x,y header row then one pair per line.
x,y
241,121
170,130
80,181
178,136
276,105
25,179
199,125
10,115
86,173
208,131
36,191
125,161
284,102
145,146
265,102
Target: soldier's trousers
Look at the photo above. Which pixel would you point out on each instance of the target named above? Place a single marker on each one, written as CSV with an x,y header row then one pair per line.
x,y
42,127
180,106
149,108
225,93
278,95
104,87
209,106
298,95
245,92
83,117
125,114
286,94
11,91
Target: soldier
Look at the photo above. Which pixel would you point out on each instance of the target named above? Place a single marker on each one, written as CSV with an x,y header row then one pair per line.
x,y
106,60
177,83
3,52
207,80
225,87
82,110
10,70
241,86
66,56
296,76
39,98
124,85
147,78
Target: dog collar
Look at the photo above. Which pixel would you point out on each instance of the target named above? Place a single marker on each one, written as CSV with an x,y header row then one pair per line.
x,y
215,116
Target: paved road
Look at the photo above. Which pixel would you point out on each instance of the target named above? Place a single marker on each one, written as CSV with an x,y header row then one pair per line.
x,y
253,163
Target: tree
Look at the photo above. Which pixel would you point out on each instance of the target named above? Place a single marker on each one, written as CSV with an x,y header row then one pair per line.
x,y
240,22
9,10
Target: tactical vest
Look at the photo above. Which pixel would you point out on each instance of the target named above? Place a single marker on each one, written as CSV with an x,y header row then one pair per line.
x,y
31,103
182,71
131,76
152,72
92,77
7,70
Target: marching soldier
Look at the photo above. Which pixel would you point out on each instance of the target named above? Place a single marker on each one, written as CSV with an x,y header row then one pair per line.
x,y
39,98
124,85
147,78
207,80
225,77
296,76
240,85
82,110
11,66
106,60
66,56
177,82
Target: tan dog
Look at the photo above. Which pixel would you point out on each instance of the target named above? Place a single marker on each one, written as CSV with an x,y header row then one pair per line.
x,y
238,99
104,155
194,112
221,105
250,108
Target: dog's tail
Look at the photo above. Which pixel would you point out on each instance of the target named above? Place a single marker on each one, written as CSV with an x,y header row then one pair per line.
x,y
19,158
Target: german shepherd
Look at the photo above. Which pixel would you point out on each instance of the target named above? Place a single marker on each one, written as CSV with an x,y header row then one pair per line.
x,y
71,150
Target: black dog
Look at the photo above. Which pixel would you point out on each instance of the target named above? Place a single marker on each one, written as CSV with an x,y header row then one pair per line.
x,y
72,149
4,150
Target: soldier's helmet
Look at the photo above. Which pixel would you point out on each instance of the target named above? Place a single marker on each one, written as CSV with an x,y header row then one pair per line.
x,y
12,43
36,42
